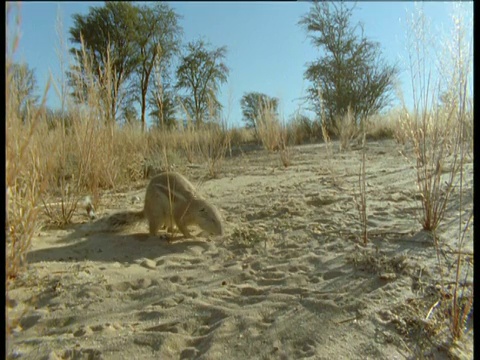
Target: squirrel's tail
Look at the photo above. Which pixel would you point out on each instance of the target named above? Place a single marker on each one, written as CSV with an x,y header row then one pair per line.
x,y
125,218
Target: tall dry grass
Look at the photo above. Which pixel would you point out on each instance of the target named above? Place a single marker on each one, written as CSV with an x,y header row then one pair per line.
x,y
269,129
24,180
55,162
91,152
241,136
441,137
302,130
347,129
381,126
274,134
214,142
208,142
435,131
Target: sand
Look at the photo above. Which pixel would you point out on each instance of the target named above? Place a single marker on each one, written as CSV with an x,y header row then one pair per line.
x,y
291,278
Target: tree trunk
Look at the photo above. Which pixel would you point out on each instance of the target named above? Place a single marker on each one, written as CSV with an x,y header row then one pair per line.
x,y
143,106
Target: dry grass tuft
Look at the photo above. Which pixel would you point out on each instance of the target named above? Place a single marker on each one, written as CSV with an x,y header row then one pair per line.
x,y
380,127
303,130
210,140
213,141
347,129
269,129
438,129
285,151
273,134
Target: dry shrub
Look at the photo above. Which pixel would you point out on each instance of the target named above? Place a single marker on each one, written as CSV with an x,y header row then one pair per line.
x,y
241,136
347,129
89,156
273,134
431,134
303,130
269,129
380,127
285,151
395,122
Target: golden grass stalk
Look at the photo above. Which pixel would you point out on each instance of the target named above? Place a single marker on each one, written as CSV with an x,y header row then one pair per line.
x,y
361,198
328,142
285,151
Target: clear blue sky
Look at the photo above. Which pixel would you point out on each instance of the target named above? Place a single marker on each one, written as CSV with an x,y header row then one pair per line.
x,y
267,49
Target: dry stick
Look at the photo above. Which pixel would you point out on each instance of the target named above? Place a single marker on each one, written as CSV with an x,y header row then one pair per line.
x,y
363,190
459,318
431,309
326,139
361,201
354,318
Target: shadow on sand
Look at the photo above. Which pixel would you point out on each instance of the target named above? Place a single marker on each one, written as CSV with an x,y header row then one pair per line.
x,y
86,243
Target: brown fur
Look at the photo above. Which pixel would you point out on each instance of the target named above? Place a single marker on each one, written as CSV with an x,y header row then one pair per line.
x,y
171,200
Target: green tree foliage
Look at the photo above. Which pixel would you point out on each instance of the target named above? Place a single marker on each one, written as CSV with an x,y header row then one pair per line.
x,y
24,86
351,72
200,73
123,43
253,103
157,40
107,33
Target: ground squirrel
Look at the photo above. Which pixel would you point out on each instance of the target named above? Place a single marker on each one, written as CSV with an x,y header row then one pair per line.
x,y
171,200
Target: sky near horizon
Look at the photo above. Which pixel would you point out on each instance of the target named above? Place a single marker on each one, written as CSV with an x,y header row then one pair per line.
x,y
267,51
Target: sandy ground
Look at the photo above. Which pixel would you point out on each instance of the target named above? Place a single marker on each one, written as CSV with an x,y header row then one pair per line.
x,y
289,280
